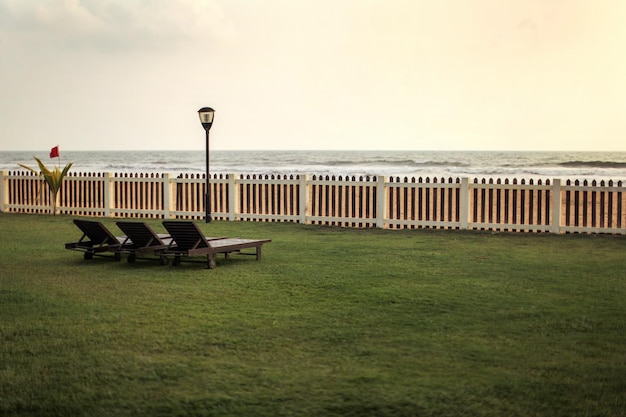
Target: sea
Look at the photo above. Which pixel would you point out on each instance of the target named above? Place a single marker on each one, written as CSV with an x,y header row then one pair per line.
x,y
601,166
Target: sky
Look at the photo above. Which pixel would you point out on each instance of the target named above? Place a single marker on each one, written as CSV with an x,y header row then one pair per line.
x,y
313,74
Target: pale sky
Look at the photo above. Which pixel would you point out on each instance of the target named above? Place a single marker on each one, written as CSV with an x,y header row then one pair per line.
x,y
313,74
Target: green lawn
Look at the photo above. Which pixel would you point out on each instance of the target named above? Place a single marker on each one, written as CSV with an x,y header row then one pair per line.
x,y
331,322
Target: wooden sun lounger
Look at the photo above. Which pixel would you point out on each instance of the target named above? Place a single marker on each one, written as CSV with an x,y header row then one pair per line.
x,y
141,239
95,240
189,241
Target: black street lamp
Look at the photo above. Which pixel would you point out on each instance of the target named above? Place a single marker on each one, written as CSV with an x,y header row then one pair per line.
x,y
206,118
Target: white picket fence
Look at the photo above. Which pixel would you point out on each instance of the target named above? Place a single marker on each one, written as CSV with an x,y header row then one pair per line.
x,y
366,202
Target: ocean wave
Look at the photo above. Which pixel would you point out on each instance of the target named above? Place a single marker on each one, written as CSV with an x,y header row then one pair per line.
x,y
382,162
593,164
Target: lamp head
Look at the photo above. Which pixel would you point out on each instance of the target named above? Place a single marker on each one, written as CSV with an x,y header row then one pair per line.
x,y
206,117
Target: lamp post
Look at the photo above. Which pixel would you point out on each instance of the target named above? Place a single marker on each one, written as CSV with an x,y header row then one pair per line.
x,y
206,118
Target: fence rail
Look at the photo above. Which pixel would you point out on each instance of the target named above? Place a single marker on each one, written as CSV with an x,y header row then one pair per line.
x,y
363,202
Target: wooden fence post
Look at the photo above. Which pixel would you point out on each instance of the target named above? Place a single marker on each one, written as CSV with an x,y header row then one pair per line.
x,y
303,198
464,208
167,196
108,194
556,206
4,191
233,197
381,198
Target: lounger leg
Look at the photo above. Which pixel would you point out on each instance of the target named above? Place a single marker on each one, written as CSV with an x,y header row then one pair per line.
x,y
131,258
258,253
163,260
88,255
211,261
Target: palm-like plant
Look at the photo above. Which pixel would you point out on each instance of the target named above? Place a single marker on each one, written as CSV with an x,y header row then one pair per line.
x,y
54,179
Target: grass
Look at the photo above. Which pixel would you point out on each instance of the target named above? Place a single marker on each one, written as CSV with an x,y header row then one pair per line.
x,y
331,322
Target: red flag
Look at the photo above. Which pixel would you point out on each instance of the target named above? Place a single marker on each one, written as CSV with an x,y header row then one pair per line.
x,y
54,152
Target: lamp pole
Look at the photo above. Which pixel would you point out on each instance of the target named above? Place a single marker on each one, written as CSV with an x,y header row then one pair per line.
x,y
206,118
